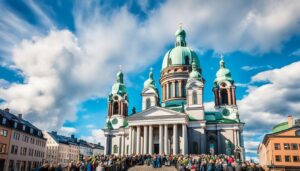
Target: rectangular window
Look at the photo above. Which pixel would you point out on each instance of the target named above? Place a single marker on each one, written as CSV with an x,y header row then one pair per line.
x,y
4,121
3,132
296,158
15,124
277,146
278,158
287,158
2,148
24,127
286,146
294,146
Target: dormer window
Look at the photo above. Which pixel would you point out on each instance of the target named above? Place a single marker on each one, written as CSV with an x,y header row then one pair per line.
x,y
4,121
24,127
15,124
39,133
31,131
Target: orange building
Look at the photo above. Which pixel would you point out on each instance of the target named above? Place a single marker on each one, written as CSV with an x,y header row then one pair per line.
x,y
5,134
280,150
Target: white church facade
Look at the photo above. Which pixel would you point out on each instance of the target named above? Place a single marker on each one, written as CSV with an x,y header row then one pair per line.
x,y
176,123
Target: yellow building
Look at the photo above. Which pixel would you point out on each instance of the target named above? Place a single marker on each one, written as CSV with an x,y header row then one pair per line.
x,y
280,150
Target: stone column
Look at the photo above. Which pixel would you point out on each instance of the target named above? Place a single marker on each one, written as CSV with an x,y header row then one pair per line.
x,y
233,94
185,140
123,145
161,140
175,139
229,96
238,137
166,139
219,141
133,145
167,92
107,145
138,142
130,140
145,151
174,91
150,139
180,88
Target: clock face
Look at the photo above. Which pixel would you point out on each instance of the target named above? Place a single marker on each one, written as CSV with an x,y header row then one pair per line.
x,y
114,121
226,112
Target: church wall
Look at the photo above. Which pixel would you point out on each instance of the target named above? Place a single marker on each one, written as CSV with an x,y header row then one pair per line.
x,y
195,139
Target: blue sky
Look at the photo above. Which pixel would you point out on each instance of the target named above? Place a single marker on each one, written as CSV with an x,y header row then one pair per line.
x,y
59,58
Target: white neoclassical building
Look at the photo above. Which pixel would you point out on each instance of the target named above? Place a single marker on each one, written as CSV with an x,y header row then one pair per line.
x,y
176,123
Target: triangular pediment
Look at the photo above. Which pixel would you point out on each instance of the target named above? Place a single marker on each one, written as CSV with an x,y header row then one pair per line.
x,y
157,112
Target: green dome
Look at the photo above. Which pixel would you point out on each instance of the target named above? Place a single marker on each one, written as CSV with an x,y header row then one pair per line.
x,y
119,87
194,73
180,54
223,73
150,82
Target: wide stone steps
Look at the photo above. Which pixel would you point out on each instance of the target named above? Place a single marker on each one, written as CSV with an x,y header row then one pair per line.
x,y
149,168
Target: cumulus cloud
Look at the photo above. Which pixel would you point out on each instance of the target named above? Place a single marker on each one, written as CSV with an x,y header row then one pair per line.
x,y
67,131
63,68
271,103
97,135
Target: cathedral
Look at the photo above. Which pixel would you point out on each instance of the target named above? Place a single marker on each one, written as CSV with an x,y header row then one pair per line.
x,y
176,122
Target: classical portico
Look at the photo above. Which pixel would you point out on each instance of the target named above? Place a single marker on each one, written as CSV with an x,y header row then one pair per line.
x,y
148,136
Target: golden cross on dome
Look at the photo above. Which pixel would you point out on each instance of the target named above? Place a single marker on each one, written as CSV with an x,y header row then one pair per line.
x,y
180,25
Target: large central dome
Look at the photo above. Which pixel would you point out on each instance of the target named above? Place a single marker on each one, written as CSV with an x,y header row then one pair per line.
x,y
180,54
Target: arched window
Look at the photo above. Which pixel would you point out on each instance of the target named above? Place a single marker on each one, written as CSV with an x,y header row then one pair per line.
x,y
116,108
195,147
170,62
183,89
115,149
176,89
148,103
224,97
170,90
195,97
186,60
125,109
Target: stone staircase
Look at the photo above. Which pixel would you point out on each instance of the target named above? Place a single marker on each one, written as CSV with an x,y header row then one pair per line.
x,y
149,168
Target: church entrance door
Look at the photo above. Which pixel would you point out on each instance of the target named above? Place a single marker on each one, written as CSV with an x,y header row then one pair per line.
x,y
156,148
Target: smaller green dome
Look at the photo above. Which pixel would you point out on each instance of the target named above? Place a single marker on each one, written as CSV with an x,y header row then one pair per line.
x,y
223,73
194,73
150,82
119,87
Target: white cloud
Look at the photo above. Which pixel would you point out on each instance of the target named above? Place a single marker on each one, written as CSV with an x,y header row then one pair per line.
x,y
67,131
209,106
90,126
250,68
97,135
270,104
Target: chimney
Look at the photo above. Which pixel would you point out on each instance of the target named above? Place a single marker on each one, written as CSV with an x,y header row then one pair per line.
x,y
290,121
20,116
6,110
72,136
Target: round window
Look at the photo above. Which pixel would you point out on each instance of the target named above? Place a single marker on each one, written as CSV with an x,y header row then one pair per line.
x,y
225,112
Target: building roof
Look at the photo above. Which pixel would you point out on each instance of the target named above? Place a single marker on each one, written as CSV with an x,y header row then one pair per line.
x,y
267,136
280,127
11,119
73,141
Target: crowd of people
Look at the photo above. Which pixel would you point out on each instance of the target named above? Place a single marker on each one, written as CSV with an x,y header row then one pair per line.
x,y
203,162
